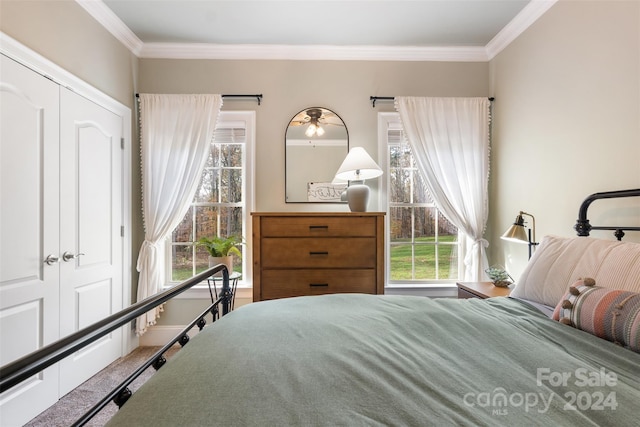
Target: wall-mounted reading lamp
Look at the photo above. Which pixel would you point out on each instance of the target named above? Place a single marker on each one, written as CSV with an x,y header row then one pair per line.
x,y
516,233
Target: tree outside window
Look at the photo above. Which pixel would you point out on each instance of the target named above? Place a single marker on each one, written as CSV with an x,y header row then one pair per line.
x,y
422,243
219,205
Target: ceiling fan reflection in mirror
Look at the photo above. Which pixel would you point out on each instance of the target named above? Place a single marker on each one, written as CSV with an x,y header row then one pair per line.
x,y
316,118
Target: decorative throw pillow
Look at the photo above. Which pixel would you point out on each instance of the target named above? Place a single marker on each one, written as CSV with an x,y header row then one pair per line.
x,y
559,261
611,314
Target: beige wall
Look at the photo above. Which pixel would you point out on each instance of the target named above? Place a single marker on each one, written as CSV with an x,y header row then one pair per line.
x,y
67,35
566,121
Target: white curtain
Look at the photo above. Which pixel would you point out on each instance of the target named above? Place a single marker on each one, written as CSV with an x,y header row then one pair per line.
x,y
449,138
176,132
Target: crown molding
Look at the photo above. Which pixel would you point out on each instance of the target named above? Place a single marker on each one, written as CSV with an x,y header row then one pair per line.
x,y
43,66
523,20
529,14
315,52
110,21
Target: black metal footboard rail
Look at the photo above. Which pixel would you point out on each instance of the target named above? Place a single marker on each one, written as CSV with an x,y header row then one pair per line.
x,y
582,224
15,372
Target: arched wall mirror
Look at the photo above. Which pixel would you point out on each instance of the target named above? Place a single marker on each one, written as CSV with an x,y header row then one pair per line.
x,y
316,143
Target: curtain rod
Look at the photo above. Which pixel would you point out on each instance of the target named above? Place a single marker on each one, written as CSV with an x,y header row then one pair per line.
x,y
373,99
258,97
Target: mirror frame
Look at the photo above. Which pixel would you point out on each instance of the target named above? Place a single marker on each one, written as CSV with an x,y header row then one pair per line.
x,y
323,190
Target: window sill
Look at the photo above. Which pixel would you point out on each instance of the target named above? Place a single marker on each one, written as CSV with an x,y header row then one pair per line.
x,y
202,292
433,290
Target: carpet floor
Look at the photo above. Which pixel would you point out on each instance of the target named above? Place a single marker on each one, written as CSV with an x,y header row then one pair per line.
x,y
73,405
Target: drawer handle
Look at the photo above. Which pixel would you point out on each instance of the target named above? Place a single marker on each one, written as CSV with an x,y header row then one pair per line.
x,y
317,227
318,253
318,285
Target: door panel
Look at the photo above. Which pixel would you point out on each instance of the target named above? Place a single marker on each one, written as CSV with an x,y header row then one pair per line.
x,y
92,302
94,163
90,220
90,306
29,231
24,319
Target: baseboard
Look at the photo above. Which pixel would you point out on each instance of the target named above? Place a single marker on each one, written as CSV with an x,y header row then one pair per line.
x,y
159,335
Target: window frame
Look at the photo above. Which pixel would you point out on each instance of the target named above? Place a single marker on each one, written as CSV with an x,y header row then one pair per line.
x,y
237,119
391,121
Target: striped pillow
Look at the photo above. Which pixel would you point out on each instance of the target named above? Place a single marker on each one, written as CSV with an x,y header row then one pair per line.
x,y
611,314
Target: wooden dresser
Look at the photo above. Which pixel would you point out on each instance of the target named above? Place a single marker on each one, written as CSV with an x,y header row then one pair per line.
x,y
296,254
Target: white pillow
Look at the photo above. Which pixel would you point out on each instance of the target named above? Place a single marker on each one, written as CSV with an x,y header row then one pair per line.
x,y
560,261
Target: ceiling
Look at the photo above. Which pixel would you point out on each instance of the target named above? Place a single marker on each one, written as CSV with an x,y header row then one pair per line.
x,y
315,29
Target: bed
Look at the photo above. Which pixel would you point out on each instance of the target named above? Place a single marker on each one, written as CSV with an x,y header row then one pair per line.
x,y
390,361
564,349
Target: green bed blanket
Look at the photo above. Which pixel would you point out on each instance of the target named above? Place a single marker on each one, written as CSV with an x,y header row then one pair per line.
x,y
364,360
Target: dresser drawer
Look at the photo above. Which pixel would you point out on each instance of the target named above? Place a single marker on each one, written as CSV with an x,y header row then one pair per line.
x,y
293,283
318,226
330,252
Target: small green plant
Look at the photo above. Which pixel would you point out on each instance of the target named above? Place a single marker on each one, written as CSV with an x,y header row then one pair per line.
x,y
221,246
499,276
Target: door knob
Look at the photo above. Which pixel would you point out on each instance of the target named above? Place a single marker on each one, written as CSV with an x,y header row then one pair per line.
x,y
51,259
68,256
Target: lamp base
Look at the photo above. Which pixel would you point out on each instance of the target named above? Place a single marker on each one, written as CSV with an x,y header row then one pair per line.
x,y
358,197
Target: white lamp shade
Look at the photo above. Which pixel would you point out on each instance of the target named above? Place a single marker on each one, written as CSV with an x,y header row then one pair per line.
x,y
358,166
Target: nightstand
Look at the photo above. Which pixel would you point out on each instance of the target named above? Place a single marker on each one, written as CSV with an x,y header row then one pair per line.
x,y
481,290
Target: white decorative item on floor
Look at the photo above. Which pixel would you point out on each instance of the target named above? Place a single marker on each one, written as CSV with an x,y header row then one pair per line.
x,y
356,167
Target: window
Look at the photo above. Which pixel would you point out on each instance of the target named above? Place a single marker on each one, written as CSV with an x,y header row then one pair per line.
x,y
221,205
422,245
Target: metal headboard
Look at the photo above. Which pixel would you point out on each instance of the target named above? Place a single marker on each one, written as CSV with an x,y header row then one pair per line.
x,y
582,224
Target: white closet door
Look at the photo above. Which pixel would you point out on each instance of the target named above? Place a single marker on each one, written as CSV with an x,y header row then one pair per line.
x,y
90,222
29,232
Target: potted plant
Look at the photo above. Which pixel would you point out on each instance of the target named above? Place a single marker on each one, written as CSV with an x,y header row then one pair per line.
x,y
499,276
221,250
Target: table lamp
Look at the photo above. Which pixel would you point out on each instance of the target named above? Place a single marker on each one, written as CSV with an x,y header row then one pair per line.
x,y
356,168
